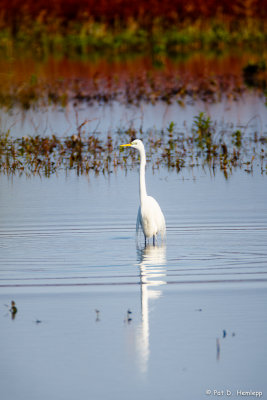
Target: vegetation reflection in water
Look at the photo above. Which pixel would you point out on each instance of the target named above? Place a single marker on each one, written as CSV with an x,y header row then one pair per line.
x,y
205,144
168,84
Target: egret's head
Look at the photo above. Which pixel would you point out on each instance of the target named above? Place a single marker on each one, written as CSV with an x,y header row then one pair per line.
x,y
137,144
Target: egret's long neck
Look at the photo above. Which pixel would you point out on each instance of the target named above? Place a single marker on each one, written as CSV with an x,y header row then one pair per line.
x,y
142,180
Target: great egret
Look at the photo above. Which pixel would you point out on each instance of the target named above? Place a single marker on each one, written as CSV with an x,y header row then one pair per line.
x,y
149,216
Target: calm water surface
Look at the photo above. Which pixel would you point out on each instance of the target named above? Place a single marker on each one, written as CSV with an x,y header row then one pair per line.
x,y
198,317
248,113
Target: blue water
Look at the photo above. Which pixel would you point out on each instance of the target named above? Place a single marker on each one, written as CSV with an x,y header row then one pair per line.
x,y
249,113
198,304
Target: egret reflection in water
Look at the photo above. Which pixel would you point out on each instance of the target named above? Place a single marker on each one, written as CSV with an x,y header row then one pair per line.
x,y
152,264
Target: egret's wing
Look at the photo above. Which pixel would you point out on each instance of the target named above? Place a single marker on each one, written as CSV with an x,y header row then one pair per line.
x,y
155,216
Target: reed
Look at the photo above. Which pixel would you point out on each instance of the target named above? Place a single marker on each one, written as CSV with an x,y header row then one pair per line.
x,y
204,146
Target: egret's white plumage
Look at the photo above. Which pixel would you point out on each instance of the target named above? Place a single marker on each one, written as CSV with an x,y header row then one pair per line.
x,y
150,216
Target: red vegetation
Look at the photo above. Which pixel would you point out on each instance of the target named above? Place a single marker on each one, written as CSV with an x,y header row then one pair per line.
x,y
13,11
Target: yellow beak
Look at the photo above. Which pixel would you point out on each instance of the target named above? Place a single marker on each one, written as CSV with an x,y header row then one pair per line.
x,y
123,145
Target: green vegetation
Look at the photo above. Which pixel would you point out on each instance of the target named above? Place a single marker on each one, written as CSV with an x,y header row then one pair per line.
x,y
83,152
69,28
88,39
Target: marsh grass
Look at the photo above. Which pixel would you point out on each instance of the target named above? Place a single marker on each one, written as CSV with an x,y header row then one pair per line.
x,y
80,38
203,146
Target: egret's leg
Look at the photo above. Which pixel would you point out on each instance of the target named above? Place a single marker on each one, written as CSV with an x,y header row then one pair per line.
x,y
145,240
154,240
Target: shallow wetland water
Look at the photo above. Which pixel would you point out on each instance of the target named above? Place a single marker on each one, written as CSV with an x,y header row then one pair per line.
x,y
198,304
98,316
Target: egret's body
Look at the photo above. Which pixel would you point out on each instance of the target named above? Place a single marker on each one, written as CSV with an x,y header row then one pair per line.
x,y
150,216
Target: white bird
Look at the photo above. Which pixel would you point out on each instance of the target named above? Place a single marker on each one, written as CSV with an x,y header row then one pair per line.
x,y
149,216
